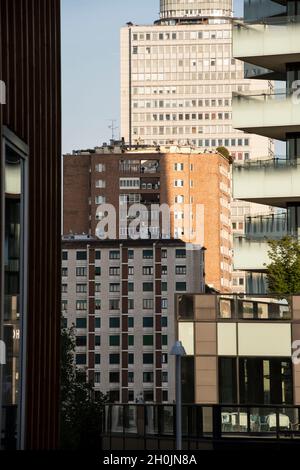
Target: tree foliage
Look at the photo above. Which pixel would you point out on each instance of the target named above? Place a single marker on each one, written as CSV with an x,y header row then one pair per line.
x,y
283,271
81,411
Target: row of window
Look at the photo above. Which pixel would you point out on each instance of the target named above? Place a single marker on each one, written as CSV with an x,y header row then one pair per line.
x,y
115,358
191,117
115,254
194,90
186,130
194,103
115,322
182,35
115,271
148,396
115,340
114,377
190,76
116,288
114,304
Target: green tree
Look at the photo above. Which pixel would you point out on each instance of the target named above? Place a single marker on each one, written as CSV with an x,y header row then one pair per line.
x,y
81,410
283,271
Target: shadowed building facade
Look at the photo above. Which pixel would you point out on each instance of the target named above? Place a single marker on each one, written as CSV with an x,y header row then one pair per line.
x,y
30,126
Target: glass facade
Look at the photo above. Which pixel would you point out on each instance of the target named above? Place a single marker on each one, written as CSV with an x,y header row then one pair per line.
x,y
14,279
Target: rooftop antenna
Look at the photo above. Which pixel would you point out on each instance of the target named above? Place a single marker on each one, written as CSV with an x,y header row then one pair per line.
x,y
113,128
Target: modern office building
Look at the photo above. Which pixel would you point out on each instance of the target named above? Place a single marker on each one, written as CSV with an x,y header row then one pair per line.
x,y
177,80
195,186
239,349
120,295
30,255
268,41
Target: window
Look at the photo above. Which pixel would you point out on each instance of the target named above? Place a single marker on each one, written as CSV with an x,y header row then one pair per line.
x,y
147,254
130,378
97,287
114,396
114,322
179,199
114,377
81,341
164,303
115,254
64,272
100,168
181,270
164,270
131,358
114,340
147,286
100,184
97,359
148,396
148,340
81,272
180,286
97,271
148,377
181,253
148,358
178,183
164,254
114,358
97,304
81,288
130,304
81,255
97,323
164,357
148,304
164,286
114,271
65,256
97,340
81,323
130,286
81,305
130,322
114,287
164,322
178,166
147,270
130,340
64,288
97,377
164,339
98,254
114,304
165,377
81,359
130,254
148,322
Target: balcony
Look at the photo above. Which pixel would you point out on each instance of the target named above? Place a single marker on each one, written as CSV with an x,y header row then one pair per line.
x,y
273,226
250,255
269,43
267,114
273,182
144,167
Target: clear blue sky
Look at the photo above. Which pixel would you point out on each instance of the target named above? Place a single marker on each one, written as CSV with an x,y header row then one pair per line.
x,y
90,64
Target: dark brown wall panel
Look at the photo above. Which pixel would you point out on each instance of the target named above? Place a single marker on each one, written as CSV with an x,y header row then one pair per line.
x,y
30,67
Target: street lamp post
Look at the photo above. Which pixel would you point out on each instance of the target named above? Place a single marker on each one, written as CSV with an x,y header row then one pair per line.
x,y
178,351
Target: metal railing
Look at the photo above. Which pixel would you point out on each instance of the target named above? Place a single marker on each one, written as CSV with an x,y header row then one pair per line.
x,y
203,421
276,162
267,21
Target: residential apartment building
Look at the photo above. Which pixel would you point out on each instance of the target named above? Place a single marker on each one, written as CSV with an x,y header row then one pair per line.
x,y
196,186
267,40
177,80
120,295
240,351
30,255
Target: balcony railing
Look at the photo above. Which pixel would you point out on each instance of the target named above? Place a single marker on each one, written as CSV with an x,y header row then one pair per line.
x,y
142,423
266,226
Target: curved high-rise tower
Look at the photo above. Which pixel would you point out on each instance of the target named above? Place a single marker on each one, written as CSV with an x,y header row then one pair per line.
x,y
172,9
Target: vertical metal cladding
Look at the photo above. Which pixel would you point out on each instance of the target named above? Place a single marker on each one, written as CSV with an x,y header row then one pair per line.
x,y
30,67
